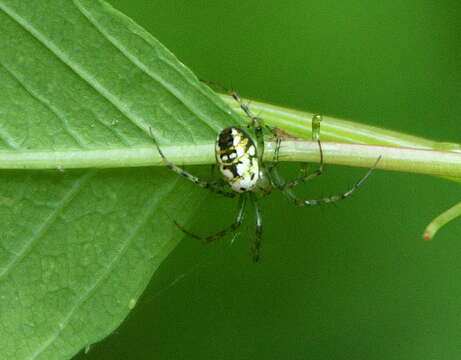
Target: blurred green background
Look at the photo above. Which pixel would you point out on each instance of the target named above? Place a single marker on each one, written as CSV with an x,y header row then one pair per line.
x,y
352,281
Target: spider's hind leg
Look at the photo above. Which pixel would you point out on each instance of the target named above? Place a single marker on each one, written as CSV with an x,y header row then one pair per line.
x,y
334,198
286,187
316,119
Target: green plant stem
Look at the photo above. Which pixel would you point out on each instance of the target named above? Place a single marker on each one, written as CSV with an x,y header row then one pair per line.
x,y
399,152
441,220
432,162
298,123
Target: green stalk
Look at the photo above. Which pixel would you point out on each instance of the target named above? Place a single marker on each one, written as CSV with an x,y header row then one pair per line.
x,y
343,142
441,220
298,123
400,152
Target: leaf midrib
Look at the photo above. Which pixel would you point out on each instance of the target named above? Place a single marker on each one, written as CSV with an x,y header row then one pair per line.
x,y
106,158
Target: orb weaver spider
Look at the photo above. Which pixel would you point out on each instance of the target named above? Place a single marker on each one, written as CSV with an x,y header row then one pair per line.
x,y
244,174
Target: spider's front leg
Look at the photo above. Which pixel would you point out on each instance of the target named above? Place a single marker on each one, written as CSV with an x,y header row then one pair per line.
x,y
255,121
210,185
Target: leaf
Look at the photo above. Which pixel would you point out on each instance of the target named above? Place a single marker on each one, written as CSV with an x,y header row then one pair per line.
x,y
77,247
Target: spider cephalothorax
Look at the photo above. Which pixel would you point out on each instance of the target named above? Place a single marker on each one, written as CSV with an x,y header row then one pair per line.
x,y
239,157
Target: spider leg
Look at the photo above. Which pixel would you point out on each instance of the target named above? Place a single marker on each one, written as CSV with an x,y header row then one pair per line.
x,y
278,142
329,199
210,185
255,248
278,182
306,176
286,187
316,119
235,95
255,121
232,227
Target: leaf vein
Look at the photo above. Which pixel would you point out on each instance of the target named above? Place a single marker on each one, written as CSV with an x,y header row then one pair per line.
x,y
135,61
84,75
104,275
7,138
46,224
47,104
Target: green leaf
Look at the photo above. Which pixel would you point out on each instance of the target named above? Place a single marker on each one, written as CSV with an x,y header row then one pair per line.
x,y
77,247
80,87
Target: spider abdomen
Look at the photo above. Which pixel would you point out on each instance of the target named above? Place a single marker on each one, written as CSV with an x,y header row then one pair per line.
x,y
237,159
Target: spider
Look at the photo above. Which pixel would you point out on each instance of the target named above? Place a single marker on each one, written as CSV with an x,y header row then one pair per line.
x,y
239,156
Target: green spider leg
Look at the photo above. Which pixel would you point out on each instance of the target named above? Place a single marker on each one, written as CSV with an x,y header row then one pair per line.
x,y
231,228
255,121
256,247
306,177
287,186
333,198
275,157
210,185
316,119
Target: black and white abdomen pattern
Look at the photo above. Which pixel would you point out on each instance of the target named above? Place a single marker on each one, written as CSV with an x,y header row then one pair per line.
x,y
237,159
